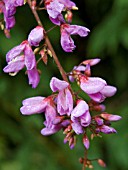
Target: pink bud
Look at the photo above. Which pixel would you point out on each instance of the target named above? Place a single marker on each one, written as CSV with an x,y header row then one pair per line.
x,y
86,142
110,117
101,163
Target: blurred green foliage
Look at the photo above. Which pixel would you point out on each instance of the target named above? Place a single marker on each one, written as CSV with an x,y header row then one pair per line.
x,y
22,147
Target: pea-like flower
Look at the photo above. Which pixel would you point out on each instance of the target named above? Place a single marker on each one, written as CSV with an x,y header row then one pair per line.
x,y
64,98
80,117
35,36
96,88
67,30
8,8
20,56
33,105
55,8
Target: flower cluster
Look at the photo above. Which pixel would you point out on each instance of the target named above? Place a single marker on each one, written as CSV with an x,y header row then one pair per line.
x,y
64,109
67,111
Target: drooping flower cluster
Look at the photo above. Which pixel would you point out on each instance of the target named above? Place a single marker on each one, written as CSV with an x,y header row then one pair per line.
x,y
64,109
67,111
8,8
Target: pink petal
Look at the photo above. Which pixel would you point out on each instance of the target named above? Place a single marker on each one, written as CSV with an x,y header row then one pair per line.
x,y
108,91
58,85
33,105
79,110
92,84
35,36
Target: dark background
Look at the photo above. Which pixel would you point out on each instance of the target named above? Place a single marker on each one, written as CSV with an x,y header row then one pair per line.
x,y
22,147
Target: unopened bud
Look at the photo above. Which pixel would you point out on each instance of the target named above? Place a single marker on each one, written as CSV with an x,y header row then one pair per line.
x,y
101,162
72,142
86,142
110,117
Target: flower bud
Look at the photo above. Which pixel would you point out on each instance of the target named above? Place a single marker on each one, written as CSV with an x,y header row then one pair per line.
x,y
101,163
110,117
86,142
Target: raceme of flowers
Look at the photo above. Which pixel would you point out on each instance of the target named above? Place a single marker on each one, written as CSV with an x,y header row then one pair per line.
x,y
65,110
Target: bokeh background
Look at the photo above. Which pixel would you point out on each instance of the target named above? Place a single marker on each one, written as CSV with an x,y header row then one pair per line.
x,y
22,147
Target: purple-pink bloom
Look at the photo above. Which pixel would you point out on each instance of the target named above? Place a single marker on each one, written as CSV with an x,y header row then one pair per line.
x,y
55,8
64,98
50,115
80,117
16,61
35,36
67,30
96,88
33,105
9,9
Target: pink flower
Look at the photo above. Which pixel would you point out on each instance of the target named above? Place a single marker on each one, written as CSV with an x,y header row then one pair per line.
x,y
80,117
33,105
9,9
50,115
64,98
96,88
37,105
55,8
35,36
16,62
67,30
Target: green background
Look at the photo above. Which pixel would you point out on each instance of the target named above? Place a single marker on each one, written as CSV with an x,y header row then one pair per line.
x,y
22,147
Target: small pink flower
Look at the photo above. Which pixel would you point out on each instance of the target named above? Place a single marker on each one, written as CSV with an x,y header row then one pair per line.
x,y
16,61
80,117
55,8
64,98
67,30
9,9
35,36
96,88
